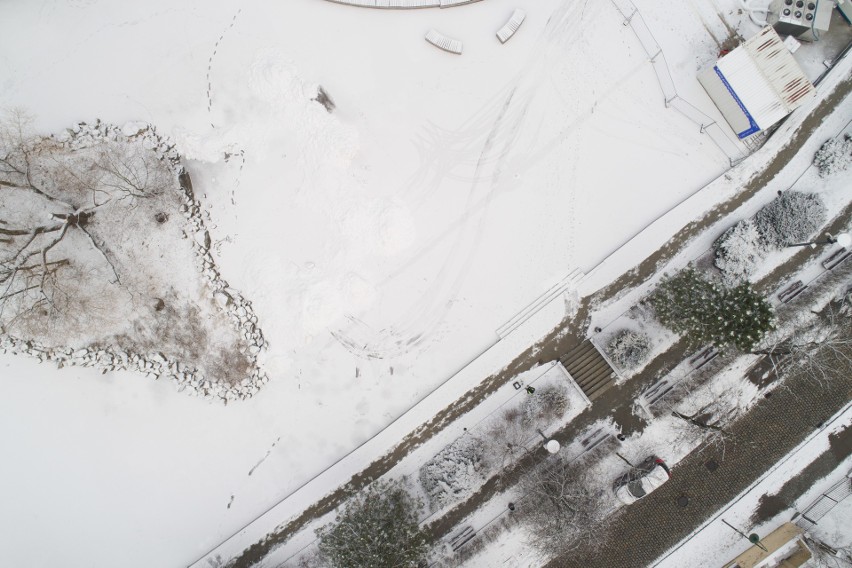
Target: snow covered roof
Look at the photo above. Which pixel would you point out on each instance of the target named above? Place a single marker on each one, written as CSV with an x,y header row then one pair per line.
x,y
757,84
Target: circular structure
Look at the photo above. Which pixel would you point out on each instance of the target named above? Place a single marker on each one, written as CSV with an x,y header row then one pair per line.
x,y
682,501
844,240
552,446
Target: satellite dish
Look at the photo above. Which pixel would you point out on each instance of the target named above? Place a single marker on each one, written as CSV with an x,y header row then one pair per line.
x,y
552,446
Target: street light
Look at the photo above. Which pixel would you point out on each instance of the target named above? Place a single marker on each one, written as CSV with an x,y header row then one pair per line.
x,y
842,239
552,446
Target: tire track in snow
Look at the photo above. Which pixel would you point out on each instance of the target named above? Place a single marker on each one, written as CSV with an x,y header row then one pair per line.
x,y
418,325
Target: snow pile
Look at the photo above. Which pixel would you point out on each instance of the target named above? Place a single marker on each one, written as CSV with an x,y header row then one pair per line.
x,y
739,252
454,473
278,104
834,156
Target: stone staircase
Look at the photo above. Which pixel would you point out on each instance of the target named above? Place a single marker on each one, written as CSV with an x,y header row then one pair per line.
x,y
589,369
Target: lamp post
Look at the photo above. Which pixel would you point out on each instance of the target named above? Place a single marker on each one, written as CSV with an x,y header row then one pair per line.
x,y
552,446
842,239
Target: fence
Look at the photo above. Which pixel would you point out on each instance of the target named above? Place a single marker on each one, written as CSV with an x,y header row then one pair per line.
x,y
808,518
652,48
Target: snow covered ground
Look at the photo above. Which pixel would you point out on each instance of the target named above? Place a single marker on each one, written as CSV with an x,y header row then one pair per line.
x,y
381,244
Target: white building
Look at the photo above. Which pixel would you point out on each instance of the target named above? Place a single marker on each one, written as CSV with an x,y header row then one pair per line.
x,y
757,84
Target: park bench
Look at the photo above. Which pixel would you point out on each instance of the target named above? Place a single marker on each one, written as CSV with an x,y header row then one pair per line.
x,y
441,41
505,33
791,291
836,258
451,3
703,357
461,538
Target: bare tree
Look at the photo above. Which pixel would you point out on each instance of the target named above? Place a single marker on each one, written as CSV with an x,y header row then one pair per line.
x,y
563,509
821,351
826,556
52,199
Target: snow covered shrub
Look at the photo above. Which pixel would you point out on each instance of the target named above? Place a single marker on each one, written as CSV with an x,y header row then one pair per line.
x,y
739,251
791,217
629,348
706,312
834,156
547,404
454,473
378,528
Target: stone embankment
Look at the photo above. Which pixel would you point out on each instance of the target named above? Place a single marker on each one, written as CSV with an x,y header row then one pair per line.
x,y
156,365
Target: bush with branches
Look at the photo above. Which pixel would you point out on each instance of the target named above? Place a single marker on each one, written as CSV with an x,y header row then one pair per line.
x,y
834,156
628,348
547,404
378,528
706,312
563,507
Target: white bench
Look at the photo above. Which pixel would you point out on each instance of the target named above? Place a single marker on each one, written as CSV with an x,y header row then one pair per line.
x,y
451,3
505,33
394,4
407,4
360,3
441,41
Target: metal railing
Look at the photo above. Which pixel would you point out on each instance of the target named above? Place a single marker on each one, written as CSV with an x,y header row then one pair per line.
x,y
809,517
633,18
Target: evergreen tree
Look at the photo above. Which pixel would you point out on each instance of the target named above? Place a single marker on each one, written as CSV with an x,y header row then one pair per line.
x,y
378,528
706,312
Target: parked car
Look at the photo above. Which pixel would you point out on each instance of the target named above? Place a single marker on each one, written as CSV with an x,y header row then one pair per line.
x,y
641,480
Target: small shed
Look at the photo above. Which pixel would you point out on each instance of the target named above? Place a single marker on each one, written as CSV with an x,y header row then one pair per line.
x,y
757,84
782,548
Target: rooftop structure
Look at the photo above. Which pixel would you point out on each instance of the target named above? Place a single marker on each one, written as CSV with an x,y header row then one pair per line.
x,y
757,84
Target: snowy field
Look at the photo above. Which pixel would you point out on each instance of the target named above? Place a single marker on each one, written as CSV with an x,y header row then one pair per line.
x,y
381,244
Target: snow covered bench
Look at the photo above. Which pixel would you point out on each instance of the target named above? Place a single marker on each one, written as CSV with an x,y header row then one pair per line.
x,y
505,33
407,4
791,291
451,3
361,3
441,41
835,259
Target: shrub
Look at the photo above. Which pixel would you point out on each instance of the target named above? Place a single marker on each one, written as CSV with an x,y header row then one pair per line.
x,y
378,528
547,404
628,348
739,251
834,156
705,312
791,217
454,473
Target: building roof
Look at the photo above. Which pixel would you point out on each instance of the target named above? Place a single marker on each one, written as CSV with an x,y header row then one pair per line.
x,y
780,69
783,547
757,84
